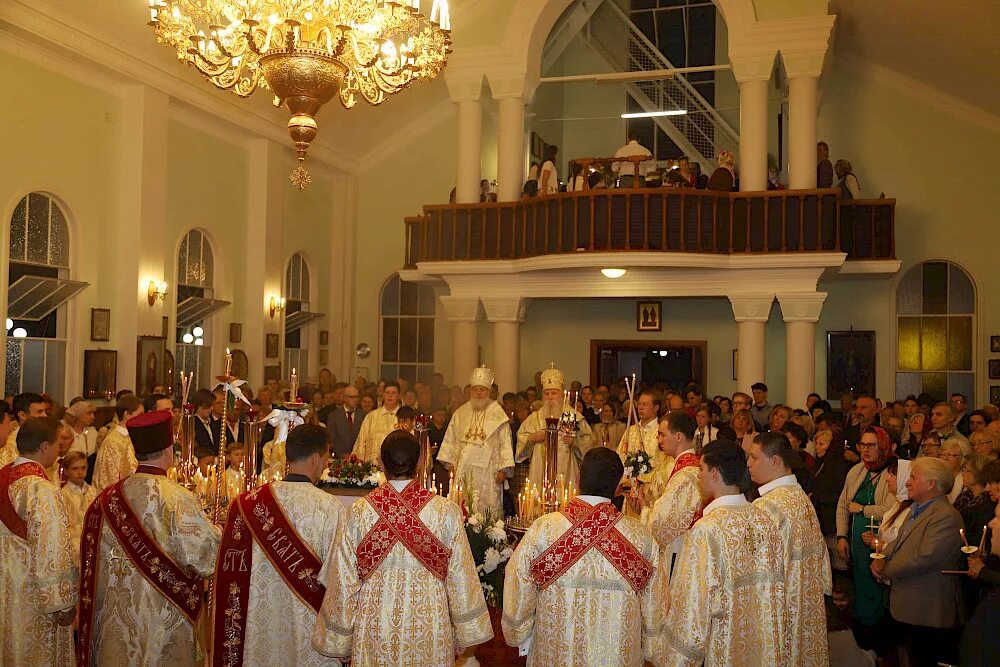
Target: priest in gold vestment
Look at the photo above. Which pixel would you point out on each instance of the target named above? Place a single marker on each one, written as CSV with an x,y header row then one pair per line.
x,y
727,592
25,406
116,455
38,576
403,588
143,591
584,587
477,444
278,584
378,423
531,435
808,577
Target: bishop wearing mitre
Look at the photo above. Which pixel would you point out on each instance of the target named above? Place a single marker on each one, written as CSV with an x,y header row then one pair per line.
x,y
38,576
378,423
146,549
275,548
808,577
583,588
403,587
573,443
477,444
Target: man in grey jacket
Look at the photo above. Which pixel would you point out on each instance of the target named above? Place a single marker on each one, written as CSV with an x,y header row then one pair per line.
x,y
924,601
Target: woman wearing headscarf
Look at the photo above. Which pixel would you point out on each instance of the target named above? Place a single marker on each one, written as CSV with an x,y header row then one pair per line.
x,y
863,502
848,183
724,176
831,472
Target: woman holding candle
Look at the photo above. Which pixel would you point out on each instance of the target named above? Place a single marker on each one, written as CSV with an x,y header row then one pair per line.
x,y
974,502
981,641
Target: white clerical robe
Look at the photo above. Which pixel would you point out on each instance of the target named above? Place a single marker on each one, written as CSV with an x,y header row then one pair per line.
x,y
641,436
402,614
590,616
569,457
115,459
478,445
134,625
38,577
8,452
727,592
672,513
377,424
317,517
807,568
78,499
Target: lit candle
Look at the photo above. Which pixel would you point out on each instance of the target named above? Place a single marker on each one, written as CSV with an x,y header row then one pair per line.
x,y
961,531
293,387
982,541
229,363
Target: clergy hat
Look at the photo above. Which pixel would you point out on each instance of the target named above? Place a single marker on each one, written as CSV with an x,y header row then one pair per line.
x,y
481,377
552,378
151,432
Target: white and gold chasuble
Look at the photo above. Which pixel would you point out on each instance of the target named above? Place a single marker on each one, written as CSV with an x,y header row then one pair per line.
x,y
377,425
115,459
402,614
77,499
8,450
807,568
135,625
727,592
590,616
38,577
676,508
568,462
478,445
279,625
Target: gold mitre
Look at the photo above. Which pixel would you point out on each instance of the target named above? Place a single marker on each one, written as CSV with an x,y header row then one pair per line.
x,y
482,377
552,378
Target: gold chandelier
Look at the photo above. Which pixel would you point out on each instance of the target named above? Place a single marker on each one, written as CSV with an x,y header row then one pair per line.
x,y
307,51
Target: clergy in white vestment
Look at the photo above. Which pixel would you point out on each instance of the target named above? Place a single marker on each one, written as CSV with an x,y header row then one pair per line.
x,y
146,549
572,444
477,444
808,577
276,548
403,588
26,406
38,575
584,587
116,455
378,423
727,592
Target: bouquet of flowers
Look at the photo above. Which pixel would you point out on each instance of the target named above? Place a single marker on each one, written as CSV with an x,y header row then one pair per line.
x,y
637,464
352,472
491,552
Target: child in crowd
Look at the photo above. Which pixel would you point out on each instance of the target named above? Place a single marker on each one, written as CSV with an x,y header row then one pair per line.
x,y
77,495
405,419
235,452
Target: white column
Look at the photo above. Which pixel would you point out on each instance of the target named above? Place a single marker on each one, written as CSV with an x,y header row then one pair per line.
x,y
463,313
802,132
470,147
506,315
510,148
753,74
800,312
751,313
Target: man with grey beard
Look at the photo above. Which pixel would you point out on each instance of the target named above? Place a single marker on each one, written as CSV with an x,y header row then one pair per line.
x,y
476,445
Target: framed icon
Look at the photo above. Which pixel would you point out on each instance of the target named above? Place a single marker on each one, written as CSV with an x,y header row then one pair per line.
x,y
100,368
100,324
324,337
235,332
994,343
850,362
647,316
271,346
995,369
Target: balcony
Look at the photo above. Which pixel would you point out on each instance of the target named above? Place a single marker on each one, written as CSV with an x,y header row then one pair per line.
x,y
655,220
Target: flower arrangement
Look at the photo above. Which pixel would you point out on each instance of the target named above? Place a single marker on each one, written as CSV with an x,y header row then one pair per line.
x,y
352,472
638,464
491,552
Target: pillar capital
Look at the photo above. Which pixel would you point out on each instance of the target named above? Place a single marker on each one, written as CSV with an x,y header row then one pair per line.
x,y
753,66
464,87
461,308
505,309
753,308
805,307
806,63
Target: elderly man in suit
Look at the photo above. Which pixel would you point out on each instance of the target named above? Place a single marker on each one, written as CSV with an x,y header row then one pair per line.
x,y
344,422
925,602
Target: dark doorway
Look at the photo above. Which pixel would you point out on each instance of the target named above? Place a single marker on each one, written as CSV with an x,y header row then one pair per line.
x,y
671,363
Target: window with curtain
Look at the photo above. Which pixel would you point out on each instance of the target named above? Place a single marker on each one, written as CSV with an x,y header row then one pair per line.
x,y
407,324
38,289
935,331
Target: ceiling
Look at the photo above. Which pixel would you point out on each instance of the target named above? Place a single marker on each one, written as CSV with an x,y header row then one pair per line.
x,y
951,46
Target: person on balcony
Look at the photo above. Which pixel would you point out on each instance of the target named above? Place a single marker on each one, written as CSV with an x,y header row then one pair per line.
x,y
698,179
774,179
548,178
847,182
824,168
724,177
626,170
576,179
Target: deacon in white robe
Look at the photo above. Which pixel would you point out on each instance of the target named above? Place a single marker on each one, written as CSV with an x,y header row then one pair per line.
x,y
378,423
116,455
573,445
477,444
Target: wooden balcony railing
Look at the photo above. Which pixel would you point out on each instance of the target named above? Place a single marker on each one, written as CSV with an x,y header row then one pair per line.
x,y
654,220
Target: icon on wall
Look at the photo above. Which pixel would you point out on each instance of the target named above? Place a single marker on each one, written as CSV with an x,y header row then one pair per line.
x,y
647,316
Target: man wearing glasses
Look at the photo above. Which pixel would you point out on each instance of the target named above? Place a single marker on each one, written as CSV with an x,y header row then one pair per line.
x,y
344,422
960,406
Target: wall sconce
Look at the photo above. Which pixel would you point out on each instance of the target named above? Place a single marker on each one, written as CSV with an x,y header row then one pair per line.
x,y
156,291
277,305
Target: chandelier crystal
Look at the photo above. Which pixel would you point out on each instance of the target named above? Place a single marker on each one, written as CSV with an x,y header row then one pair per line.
x,y
307,51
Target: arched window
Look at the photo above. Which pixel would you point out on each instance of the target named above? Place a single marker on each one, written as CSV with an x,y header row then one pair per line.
x,y
195,306
935,331
407,317
297,314
38,289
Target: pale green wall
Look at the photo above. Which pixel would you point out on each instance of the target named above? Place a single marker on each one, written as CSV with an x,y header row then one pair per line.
x,y
308,216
